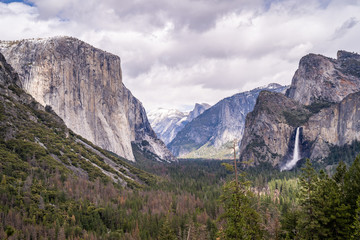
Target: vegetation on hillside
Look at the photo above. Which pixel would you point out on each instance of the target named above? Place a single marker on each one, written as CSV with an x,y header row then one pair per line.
x,y
56,185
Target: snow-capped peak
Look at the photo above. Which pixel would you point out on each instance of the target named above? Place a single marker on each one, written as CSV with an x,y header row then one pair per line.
x,y
168,122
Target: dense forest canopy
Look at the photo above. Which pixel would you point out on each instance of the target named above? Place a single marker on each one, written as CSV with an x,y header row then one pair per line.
x,y
191,199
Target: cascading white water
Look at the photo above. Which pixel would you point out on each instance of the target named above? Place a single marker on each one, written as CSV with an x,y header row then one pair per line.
x,y
296,155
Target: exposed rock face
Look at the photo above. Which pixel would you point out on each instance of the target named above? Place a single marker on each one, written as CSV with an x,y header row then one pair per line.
x,y
324,102
10,85
32,133
269,130
198,109
168,122
8,76
325,79
208,134
337,125
83,85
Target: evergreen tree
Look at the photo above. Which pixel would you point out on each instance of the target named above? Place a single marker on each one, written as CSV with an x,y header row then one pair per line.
x,y
289,223
166,231
309,227
333,213
324,212
242,220
356,224
339,175
352,195
337,211
352,184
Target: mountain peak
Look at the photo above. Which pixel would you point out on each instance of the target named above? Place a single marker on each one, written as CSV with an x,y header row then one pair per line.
x,y
325,79
269,86
168,122
322,103
342,55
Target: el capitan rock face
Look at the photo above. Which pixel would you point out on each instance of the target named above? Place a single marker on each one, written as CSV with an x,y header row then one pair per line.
x,y
323,100
83,85
33,134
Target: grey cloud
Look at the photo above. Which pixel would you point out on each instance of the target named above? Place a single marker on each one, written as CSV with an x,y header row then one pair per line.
x,y
197,59
136,68
197,15
344,28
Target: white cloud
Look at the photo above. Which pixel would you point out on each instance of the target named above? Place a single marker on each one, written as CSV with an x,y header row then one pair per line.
x,y
177,53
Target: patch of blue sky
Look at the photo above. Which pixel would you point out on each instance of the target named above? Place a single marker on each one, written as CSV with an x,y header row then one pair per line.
x,y
267,3
21,1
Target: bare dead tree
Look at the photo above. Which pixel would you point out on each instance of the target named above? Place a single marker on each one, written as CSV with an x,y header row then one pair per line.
x,y
236,174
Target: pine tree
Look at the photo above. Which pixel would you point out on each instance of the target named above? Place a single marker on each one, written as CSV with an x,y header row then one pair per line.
x,y
324,212
166,231
356,225
352,184
309,227
289,223
352,194
242,220
337,211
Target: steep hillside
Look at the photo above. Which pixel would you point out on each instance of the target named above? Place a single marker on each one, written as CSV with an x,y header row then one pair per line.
x,y
327,117
207,135
34,137
56,185
168,122
83,85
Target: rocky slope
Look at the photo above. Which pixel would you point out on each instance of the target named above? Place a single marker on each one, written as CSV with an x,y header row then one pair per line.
x,y
336,125
325,79
83,85
323,101
198,109
34,139
269,133
207,135
168,122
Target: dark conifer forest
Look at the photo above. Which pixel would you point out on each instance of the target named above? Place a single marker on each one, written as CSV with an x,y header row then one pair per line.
x,y
191,199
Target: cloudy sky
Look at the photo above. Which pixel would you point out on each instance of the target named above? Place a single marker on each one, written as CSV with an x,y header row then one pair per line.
x,y
178,52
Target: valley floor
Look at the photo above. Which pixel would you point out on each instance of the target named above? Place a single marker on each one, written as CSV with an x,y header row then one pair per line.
x,y
191,199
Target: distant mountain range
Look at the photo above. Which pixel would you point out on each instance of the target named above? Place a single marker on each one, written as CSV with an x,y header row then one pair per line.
x,y
83,86
208,135
168,122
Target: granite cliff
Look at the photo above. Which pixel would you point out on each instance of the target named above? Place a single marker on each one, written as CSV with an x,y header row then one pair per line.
x,y
323,100
83,85
336,125
34,139
269,128
320,78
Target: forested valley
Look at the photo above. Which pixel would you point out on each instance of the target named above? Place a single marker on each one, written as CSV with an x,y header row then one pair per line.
x,y
191,199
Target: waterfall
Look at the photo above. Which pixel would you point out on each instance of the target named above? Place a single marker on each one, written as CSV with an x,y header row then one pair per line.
x,y
296,155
